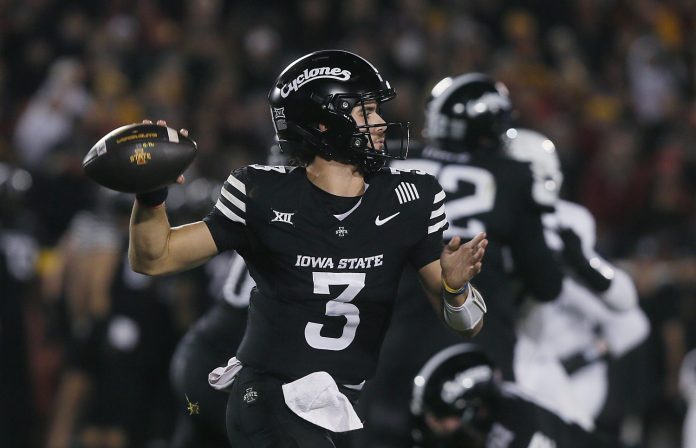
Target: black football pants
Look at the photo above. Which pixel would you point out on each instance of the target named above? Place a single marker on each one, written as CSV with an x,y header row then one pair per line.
x,y
209,344
258,417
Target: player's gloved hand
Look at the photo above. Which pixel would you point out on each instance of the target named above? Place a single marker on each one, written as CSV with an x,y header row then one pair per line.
x,y
157,197
575,258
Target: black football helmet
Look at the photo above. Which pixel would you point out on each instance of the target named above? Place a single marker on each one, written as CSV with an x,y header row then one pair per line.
x,y
324,87
467,113
459,381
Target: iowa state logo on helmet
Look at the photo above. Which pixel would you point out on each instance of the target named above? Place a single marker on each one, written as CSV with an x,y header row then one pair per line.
x,y
309,75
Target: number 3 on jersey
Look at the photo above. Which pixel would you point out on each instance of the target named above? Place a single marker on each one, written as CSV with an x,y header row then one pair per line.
x,y
339,306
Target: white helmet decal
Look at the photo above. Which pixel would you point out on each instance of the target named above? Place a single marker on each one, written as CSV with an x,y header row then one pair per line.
x,y
311,75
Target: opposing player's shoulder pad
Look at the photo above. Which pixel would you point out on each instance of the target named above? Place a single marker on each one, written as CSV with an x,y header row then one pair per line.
x,y
579,219
520,174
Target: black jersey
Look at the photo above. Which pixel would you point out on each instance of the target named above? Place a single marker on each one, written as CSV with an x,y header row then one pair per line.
x,y
326,281
492,193
519,422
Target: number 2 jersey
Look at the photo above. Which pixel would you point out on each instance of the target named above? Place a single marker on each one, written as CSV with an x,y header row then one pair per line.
x,y
326,267
489,192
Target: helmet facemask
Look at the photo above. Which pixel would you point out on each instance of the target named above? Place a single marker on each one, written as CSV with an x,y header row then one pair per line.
x,y
347,141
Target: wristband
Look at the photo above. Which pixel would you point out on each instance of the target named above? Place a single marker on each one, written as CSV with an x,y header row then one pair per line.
x,y
467,316
454,292
153,198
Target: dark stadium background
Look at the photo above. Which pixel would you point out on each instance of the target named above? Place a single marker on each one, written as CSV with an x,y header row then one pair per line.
x,y
610,81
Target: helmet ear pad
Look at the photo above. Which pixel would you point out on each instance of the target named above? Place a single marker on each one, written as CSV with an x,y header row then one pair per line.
x,y
338,135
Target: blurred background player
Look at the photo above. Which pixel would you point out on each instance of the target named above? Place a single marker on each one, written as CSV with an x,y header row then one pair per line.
x,y
460,400
564,347
118,337
209,343
465,119
18,257
213,339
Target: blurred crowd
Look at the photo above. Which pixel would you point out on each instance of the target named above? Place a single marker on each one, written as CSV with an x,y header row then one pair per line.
x,y
611,82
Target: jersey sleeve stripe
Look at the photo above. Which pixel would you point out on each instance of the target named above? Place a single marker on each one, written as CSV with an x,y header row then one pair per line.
x,y
439,197
229,213
399,196
404,190
236,202
414,191
438,226
236,183
438,212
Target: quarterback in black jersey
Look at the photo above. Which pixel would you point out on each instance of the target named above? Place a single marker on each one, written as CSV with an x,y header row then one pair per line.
x,y
325,242
466,118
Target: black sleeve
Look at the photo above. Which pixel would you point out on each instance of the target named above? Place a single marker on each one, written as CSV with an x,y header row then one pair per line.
x,y
535,425
429,248
228,235
534,261
569,434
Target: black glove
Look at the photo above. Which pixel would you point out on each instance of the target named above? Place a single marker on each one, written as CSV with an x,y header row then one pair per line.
x,y
153,198
575,258
573,363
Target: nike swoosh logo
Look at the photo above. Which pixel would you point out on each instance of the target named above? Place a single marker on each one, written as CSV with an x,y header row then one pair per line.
x,y
379,222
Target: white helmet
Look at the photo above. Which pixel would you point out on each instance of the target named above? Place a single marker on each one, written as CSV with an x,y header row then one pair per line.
x,y
530,146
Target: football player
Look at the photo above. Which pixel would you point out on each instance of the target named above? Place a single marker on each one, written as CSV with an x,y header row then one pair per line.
x,y
460,400
19,252
564,345
466,117
211,341
325,242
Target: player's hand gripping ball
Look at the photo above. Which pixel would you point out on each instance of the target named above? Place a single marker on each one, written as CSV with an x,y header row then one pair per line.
x,y
139,158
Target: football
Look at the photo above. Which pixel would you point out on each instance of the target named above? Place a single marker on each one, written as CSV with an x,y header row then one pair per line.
x,y
138,158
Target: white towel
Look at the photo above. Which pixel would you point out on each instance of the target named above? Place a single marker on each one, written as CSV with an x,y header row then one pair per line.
x,y
316,398
222,377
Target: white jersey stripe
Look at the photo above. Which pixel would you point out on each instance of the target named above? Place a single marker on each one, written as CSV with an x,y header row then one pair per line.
x,y
407,187
404,193
398,195
236,183
229,213
438,212
414,191
439,197
236,202
438,226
